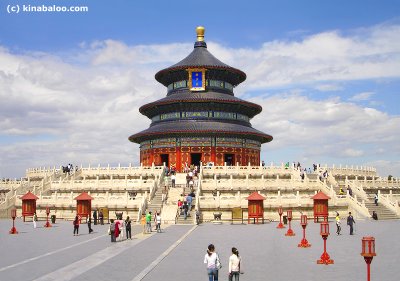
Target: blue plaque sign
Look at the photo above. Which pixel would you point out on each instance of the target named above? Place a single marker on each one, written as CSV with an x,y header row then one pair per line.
x,y
197,79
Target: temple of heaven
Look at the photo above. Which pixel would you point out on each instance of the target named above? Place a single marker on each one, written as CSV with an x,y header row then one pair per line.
x,y
200,119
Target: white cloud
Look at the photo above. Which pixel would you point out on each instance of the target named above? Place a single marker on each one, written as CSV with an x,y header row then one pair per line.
x,y
328,87
82,106
362,96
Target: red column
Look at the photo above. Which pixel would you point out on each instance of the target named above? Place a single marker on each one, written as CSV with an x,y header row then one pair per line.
x,y
213,155
178,159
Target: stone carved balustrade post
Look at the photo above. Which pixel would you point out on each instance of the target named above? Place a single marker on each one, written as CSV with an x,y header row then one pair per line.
x,y
279,198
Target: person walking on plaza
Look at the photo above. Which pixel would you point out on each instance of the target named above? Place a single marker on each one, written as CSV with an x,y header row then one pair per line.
x,y
112,231
350,221
101,217
143,223
76,225
213,263
95,217
338,227
89,224
234,265
158,223
148,222
34,220
128,228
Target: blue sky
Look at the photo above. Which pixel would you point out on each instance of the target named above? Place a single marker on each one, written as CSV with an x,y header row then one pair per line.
x,y
326,73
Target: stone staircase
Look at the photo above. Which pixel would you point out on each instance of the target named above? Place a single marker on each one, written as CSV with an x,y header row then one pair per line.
x,y
156,203
383,212
189,219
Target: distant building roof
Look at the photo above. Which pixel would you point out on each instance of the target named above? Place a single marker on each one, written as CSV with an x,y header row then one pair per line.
x,y
255,196
198,127
320,196
83,196
29,196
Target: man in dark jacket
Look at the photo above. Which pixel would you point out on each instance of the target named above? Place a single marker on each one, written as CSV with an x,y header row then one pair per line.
x,y
350,221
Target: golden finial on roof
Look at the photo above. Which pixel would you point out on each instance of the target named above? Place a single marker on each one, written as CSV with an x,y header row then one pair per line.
x,y
200,33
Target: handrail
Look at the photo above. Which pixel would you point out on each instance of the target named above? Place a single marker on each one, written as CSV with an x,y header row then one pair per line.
x,y
393,206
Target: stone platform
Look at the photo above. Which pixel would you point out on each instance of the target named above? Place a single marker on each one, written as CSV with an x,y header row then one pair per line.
x,y
178,252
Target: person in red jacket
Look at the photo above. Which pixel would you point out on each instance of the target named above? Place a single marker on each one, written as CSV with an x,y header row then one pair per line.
x,y
76,225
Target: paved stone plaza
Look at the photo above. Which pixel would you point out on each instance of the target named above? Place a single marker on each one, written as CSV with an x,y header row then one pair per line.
x,y
178,252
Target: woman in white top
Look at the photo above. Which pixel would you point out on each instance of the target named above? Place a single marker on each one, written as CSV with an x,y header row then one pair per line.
x,y
213,263
234,265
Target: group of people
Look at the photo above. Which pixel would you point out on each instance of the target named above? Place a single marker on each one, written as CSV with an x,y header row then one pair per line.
x,y
146,222
185,203
349,190
350,223
214,264
119,229
69,169
77,221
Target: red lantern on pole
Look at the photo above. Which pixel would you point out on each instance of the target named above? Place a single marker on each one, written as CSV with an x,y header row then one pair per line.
x,y
280,212
13,216
325,258
47,224
368,252
304,243
289,217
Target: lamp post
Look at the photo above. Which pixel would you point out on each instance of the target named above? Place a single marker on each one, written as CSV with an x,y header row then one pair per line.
x,y
368,252
280,212
47,224
325,258
13,216
289,217
304,243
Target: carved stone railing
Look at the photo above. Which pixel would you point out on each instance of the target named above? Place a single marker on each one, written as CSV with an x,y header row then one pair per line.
x,y
392,205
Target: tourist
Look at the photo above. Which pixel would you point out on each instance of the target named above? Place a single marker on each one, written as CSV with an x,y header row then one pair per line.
x,y
213,263
376,199
234,265
143,223
89,224
158,223
188,178
185,209
350,221
34,219
117,229
148,222
95,217
349,190
180,203
341,192
128,228
338,227
101,217
374,215
173,178
112,230
189,201
76,225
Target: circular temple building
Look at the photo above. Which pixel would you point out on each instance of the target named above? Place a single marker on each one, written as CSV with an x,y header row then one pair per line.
x,y
200,119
